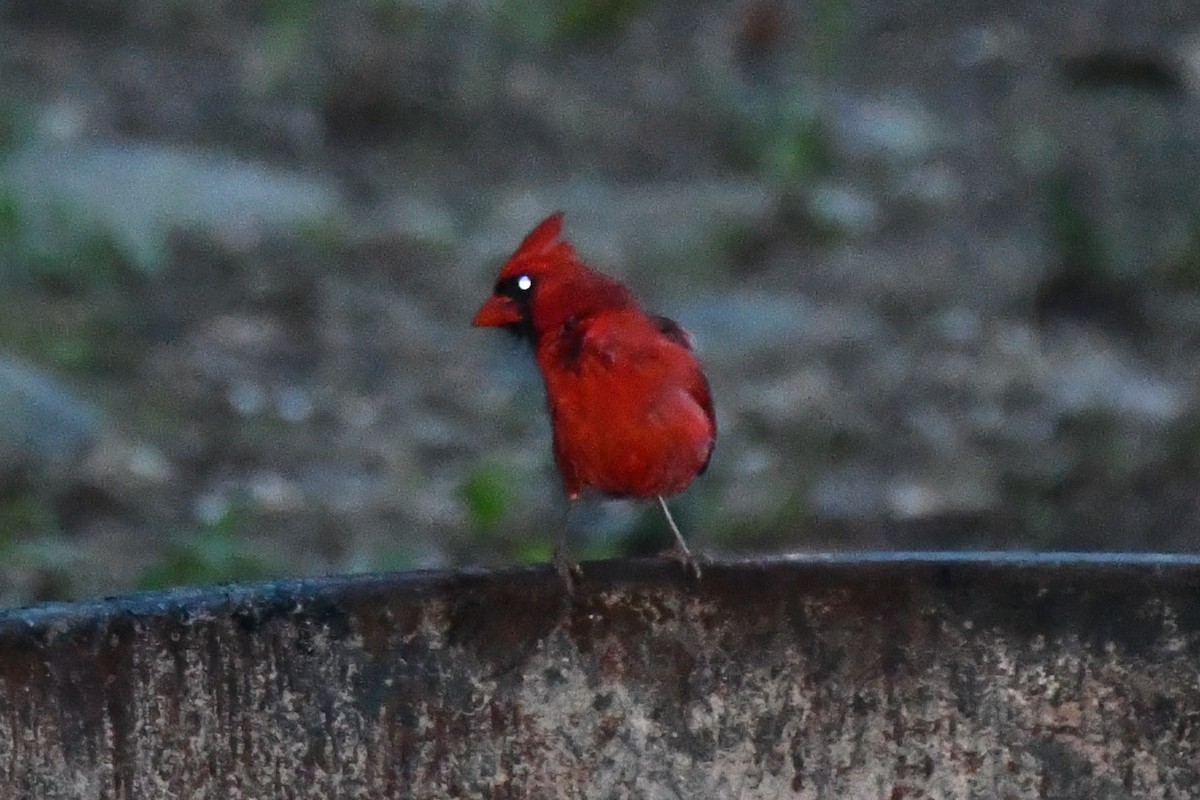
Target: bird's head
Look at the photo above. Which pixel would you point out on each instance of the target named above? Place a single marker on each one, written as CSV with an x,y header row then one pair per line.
x,y
543,283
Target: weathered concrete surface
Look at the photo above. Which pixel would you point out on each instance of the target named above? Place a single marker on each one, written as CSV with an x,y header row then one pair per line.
x,y
877,677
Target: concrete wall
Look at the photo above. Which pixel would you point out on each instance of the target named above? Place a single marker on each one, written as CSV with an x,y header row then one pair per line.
x,y
885,677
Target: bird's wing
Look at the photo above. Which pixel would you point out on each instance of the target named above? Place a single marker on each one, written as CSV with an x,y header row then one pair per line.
x,y
673,331
697,384
610,339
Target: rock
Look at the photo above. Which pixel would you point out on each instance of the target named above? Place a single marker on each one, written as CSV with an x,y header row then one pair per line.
x,y
160,189
127,471
845,209
971,487
896,128
1091,377
45,429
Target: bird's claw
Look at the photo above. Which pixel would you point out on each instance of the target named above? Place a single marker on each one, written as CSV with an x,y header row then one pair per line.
x,y
568,570
685,558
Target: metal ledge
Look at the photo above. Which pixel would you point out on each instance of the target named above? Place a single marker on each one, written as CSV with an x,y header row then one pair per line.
x,y
897,675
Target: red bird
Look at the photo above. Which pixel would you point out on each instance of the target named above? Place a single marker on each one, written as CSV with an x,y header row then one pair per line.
x,y
629,405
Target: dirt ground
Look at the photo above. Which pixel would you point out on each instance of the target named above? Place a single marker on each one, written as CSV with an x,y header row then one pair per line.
x,y
941,262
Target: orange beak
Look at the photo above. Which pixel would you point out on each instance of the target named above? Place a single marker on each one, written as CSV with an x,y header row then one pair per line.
x,y
497,312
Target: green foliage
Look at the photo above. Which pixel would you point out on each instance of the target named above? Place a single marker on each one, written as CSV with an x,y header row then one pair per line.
x,y
68,304
213,554
560,22
70,256
601,549
16,123
51,560
830,21
289,12
33,547
89,342
533,552
285,44
785,137
10,222
24,516
797,146
781,125
1182,269
391,559
486,494
1075,235
771,526
542,550
1093,279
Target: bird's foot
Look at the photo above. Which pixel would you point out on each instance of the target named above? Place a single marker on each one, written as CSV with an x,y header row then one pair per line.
x,y
567,569
685,558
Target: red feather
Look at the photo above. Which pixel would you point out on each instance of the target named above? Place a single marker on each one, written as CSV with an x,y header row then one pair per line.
x,y
630,407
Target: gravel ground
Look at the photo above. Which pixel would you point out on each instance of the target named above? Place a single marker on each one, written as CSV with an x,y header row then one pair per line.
x,y
941,263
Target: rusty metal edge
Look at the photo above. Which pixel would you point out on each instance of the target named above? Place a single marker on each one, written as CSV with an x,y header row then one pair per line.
x,y
194,603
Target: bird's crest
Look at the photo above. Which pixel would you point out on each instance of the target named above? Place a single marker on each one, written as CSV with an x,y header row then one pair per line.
x,y
543,237
544,243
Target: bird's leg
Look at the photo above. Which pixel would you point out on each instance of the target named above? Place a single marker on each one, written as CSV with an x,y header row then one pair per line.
x,y
679,550
567,569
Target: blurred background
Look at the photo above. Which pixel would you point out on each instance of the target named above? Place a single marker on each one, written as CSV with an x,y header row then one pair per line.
x,y
941,260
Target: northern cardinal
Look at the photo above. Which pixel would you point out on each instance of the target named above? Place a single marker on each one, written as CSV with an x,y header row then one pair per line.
x,y
629,405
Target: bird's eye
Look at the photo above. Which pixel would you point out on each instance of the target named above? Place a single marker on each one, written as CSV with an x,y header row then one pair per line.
x,y
516,287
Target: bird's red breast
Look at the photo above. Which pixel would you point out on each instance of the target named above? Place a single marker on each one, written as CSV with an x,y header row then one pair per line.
x,y
629,404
